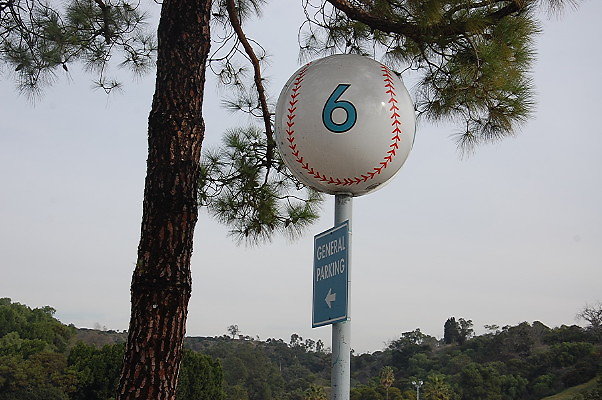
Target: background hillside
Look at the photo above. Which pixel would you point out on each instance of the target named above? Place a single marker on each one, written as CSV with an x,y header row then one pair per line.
x,y
41,358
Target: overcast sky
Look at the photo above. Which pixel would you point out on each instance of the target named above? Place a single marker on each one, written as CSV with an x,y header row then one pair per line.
x,y
511,234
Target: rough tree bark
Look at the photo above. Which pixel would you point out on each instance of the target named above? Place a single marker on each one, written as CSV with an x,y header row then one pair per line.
x,y
161,283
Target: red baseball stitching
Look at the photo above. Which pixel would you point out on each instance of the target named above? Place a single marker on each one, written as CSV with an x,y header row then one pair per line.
x,y
388,158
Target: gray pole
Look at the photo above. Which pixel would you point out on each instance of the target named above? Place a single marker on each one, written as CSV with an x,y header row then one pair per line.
x,y
417,384
340,379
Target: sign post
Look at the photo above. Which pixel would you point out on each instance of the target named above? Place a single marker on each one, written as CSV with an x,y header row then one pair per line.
x,y
340,378
344,125
331,284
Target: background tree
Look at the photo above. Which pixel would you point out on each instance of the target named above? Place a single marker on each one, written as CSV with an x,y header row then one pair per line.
x,y
97,370
296,340
37,324
387,378
465,331
200,378
436,388
233,330
592,314
408,345
365,392
451,331
492,366
315,392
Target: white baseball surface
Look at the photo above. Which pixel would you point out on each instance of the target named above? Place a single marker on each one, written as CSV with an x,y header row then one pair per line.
x,y
344,124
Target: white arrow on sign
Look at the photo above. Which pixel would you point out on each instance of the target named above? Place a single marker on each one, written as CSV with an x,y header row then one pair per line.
x,y
330,297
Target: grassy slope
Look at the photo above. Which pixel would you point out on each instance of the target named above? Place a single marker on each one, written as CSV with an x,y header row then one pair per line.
x,y
98,338
572,391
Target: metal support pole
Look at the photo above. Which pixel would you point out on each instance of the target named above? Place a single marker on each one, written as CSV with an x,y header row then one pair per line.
x,y
341,332
417,384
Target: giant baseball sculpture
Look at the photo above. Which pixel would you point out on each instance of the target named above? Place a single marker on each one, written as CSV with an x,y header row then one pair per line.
x,y
344,124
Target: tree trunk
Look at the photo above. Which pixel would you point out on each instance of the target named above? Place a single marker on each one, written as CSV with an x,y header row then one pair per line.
x,y
161,283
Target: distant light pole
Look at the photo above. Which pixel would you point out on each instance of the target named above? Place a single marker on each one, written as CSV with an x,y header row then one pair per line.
x,y
418,385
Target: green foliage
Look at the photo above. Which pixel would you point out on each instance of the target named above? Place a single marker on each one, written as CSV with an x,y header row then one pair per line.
x,y
315,392
13,344
593,394
38,39
32,365
97,370
457,331
564,333
365,392
437,388
544,385
473,58
451,331
481,382
577,392
36,324
35,363
592,314
43,375
566,354
267,370
246,9
522,362
245,184
387,377
515,362
246,366
409,344
465,330
237,189
200,378
372,392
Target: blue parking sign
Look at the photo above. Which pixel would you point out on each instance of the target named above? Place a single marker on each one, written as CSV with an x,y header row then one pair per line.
x,y
331,276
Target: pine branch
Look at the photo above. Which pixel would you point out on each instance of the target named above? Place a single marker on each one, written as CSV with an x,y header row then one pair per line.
x,y
39,39
417,32
105,19
236,25
235,189
473,58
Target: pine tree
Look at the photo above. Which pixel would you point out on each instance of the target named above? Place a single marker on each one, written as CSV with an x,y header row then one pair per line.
x,y
161,284
473,57
451,331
